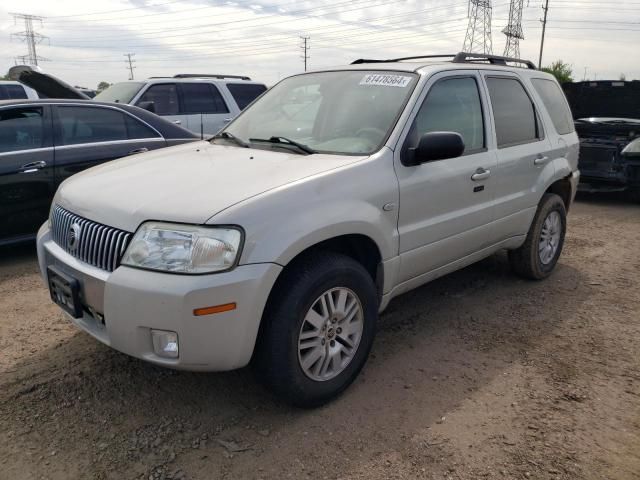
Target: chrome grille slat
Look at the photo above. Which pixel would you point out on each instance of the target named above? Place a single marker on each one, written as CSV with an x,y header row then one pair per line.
x,y
99,245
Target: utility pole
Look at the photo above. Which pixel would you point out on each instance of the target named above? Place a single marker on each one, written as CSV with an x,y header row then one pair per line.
x,y
130,63
544,28
30,36
305,48
478,36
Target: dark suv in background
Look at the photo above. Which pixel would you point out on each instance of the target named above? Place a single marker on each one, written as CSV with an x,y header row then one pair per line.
x,y
607,119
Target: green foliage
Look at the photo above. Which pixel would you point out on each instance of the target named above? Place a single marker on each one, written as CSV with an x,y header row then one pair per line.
x,y
562,71
103,86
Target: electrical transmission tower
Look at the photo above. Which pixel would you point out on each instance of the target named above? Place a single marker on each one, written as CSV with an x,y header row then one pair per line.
x,y
305,51
129,61
513,30
478,37
30,36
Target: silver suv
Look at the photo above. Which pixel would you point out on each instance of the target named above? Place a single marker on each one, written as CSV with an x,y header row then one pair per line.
x,y
280,240
204,104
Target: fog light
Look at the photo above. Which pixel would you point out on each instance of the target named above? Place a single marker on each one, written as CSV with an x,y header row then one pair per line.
x,y
165,343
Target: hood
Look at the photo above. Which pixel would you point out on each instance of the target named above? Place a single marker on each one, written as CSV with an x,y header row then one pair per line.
x,y
189,183
46,85
614,99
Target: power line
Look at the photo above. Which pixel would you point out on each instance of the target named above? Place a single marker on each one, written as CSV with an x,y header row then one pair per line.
x,y
130,63
30,36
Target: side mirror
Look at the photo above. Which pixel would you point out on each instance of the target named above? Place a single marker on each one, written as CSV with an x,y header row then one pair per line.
x,y
435,146
149,106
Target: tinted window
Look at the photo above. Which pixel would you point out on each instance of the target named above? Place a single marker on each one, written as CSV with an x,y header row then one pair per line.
x,y
10,92
137,129
556,105
452,105
244,93
90,124
120,92
513,111
21,129
164,97
202,98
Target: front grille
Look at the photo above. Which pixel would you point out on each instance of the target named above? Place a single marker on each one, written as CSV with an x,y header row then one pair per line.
x,y
597,157
88,241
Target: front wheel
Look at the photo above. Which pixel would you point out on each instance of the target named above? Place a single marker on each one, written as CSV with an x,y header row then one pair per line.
x,y
317,330
538,256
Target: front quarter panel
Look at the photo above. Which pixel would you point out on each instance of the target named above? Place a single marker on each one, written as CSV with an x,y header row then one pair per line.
x,y
283,222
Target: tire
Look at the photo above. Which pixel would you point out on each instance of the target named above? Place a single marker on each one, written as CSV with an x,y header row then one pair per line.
x,y
528,261
279,357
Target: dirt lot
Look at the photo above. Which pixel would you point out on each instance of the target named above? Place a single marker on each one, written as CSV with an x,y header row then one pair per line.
x,y
477,375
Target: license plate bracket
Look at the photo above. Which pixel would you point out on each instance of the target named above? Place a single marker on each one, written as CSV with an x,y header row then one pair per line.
x,y
64,291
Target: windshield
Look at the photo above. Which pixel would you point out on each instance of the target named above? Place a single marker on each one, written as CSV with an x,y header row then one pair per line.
x,y
346,112
119,92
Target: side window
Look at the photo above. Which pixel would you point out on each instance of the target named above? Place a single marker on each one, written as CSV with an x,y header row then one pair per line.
x,y
164,97
452,105
244,93
202,98
513,111
556,104
12,92
21,129
91,124
137,129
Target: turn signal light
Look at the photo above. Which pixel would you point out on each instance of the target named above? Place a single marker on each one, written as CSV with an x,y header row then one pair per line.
x,y
227,307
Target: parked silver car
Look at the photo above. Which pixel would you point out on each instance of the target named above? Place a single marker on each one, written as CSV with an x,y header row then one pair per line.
x,y
281,239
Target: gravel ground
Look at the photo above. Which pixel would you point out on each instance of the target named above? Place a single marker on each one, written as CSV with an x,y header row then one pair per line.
x,y
476,375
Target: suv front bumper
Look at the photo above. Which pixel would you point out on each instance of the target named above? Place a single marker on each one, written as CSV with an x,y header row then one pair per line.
x,y
120,308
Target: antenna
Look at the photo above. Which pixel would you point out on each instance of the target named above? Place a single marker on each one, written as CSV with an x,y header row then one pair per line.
x,y
478,36
513,30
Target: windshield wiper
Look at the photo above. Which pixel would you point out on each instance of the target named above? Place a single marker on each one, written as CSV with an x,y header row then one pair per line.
x,y
232,137
285,141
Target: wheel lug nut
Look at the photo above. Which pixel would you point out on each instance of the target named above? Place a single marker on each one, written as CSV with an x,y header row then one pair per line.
x,y
323,341
339,330
334,320
332,343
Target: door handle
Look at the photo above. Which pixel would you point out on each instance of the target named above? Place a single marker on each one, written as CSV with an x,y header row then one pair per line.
x,y
541,160
178,122
32,167
481,174
227,120
138,150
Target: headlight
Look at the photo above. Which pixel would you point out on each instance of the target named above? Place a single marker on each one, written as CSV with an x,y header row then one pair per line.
x,y
179,248
633,149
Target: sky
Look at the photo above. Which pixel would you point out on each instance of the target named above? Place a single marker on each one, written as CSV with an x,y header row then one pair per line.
x,y
86,41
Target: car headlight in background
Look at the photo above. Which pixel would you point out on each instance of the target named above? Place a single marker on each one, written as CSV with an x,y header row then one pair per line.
x,y
177,248
633,149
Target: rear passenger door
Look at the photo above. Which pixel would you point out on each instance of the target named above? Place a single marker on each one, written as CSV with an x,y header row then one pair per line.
x,y
26,170
86,136
523,153
165,99
446,206
205,108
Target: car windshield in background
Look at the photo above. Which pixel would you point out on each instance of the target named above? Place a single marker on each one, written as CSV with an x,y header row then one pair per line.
x,y
119,92
345,112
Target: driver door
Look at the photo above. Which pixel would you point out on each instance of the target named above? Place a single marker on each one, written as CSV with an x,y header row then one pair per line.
x,y
446,206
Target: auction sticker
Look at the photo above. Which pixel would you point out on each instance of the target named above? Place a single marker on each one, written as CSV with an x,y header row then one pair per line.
x,y
385,80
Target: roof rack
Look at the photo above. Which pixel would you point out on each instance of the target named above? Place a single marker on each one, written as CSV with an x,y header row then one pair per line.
x,y
207,75
462,57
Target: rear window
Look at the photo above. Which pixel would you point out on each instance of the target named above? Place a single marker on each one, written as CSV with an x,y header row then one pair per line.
x,y
556,105
11,92
244,93
120,92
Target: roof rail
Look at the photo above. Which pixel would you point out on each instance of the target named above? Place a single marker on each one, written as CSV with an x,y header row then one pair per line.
x,y
462,57
210,75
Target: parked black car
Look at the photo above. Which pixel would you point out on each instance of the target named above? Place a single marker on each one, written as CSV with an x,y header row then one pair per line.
x,y
607,119
42,142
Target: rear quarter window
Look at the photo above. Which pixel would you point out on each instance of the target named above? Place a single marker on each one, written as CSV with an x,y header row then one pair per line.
x,y
11,92
555,103
244,93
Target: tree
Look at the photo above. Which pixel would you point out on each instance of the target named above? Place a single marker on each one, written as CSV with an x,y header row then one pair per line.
x,y
562,71
623,77
103,86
